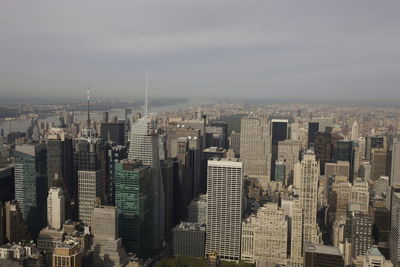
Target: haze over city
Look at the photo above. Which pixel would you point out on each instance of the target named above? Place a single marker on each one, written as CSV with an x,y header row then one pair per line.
x,y
307,50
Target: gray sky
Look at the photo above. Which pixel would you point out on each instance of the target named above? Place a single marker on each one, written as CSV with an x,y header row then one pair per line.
x,y
269,49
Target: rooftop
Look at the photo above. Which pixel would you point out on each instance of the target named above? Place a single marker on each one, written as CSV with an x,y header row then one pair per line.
x,y
318,248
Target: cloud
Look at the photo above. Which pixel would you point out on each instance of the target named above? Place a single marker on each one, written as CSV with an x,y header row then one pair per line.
x,y
201,48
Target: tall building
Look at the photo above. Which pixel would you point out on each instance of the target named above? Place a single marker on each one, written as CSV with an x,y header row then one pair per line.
x,y
224,126
307,174
55,208
113,132
59,163
255,148
359,226
189,239
289,153
113,155
395,229
323,149
197,210
107,246
7,183
345,152
235,143
31,184
379,158
265,236
313,129
90,172
67,254
16,229
354,131
340,168
134,201
279,132
395,171
224,208
144,146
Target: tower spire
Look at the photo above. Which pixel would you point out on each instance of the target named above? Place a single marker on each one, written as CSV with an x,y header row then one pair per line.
x,y
146,98
88,108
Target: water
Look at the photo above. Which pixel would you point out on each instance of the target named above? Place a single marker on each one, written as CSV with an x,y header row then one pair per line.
x,y
23,124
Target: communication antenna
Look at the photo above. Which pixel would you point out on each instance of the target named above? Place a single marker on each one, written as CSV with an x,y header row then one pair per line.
x,y
146,103
88,108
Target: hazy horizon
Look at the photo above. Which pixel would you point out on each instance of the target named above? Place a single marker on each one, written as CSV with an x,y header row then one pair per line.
x,y
306,50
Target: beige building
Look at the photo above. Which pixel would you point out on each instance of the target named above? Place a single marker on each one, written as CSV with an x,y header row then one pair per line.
x,y
289,153
265,236
67,254
55,208
255,148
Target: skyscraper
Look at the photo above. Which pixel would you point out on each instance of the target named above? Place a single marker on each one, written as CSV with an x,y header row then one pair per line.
x,y
114,132
31,184
224,208
144,146
255,148
395,171
379,158
289,153
279,132
395,230
134,201
354,131
313,128
307,174
345,152
55,208
323,149
107,246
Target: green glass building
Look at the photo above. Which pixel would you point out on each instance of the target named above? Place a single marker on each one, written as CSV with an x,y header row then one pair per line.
x,y
133,198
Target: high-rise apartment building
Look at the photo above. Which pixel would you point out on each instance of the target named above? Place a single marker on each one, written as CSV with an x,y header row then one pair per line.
x,y
55,208
134,201
224,208
144,146
31,184
255,148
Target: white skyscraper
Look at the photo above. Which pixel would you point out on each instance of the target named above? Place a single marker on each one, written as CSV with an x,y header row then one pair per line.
x,y
308,196
55,208
354,131
224,207
255,148
144,145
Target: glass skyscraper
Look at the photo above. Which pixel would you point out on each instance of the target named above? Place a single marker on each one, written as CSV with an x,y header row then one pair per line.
x,y
133,198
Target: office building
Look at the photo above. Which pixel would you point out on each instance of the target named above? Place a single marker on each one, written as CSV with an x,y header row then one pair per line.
x,y
289,153
167,170
345,152
113,154
31,184
188,239
395,171
379,159
207,154
67,254
280,172
224,208
134,201
279,132
224,138
55,208
265,236
197,210
317,255
323,149
107,246
395,229
354,131
235,143
144,146
360,194
307,174
359,227
255,148
313,129
16,229
7,183
340,168
374,258
113,132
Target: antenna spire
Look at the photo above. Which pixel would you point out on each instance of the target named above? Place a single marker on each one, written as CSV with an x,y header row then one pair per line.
x,y
146,103
88,109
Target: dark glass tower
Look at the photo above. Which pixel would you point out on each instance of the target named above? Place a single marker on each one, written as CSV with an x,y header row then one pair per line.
x,y
345,152
279,132
312,131
323,149
133,198
31,184
114,132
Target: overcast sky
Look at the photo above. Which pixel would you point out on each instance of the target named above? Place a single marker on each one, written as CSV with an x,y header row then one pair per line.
x,y
209,48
